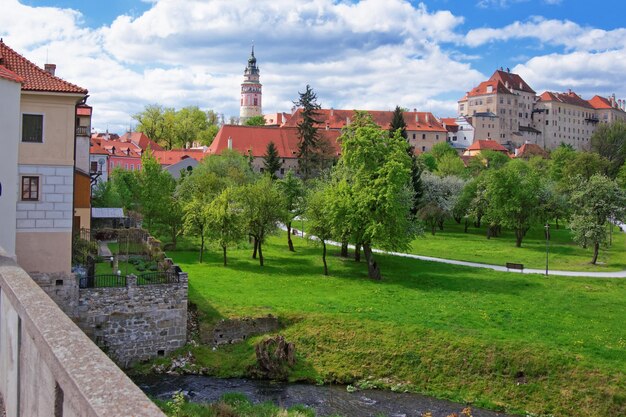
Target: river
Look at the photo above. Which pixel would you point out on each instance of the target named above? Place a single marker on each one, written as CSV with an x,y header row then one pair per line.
x,y
325,400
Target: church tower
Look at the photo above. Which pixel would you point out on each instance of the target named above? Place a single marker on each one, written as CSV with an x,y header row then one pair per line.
x,y
251,93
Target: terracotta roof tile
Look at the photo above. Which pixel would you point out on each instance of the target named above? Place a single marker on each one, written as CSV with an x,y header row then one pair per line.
x,y
513,80
337,119
480,145
141,140
528,150
488,87
7,74
566,98
176,155
256,138
35,78
599,102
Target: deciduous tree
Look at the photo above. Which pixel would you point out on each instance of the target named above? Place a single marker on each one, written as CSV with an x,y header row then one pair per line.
x,y
293,195
225,220
609,140
256,121
195,220
317,214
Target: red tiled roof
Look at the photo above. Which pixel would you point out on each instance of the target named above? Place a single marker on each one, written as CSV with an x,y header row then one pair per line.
x,y
113,136
256,139
141,140
96,149
337,119
566,98
118,148
176,155
35,78
7,74
450,124
513,80
599,102
480,145
483,88
528,150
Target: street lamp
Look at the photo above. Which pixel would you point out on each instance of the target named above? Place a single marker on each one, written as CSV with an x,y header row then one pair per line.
x,y
547,226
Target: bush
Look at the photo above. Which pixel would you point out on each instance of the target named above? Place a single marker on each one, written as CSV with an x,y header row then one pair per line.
x,y
140,268
153,267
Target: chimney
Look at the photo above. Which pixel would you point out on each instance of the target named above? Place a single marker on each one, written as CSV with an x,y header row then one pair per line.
x,y
569,91
332,112
50,68
414,110
506,83
417,118
230,143
347,120
427,118
612,99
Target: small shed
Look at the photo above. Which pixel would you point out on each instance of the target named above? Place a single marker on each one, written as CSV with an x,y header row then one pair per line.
x,y
108,217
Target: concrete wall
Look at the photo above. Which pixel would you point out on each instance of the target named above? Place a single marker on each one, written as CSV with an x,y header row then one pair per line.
x,y
135,323
47,364
9,140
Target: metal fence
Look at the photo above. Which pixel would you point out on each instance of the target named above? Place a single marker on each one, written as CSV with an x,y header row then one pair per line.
x,y
162,277
101,281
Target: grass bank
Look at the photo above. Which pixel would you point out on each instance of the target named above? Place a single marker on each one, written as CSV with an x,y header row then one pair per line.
x,y
520,343
473,246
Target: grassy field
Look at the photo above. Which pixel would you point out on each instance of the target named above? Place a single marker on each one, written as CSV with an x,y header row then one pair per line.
x,y
453,243
551,346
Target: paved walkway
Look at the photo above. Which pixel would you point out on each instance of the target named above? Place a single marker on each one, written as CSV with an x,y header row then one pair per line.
x,y
584,274
103,249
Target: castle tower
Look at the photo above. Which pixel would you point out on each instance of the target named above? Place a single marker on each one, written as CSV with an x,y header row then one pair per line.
x,y
251,93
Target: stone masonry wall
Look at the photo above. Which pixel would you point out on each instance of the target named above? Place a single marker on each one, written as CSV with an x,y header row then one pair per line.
x,y
62,288
135,323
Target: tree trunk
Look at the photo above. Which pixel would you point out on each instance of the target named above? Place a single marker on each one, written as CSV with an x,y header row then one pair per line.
x,y
519,235
260,254
357,252
344,249
457,219
488,232
324,257
440,223
466,224
373,270
201,248
477,222
596,248
557,223
256,246
433,228
289,242
224,251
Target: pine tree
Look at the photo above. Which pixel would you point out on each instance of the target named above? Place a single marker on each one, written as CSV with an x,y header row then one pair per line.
x,y
397,122
271,160
309,147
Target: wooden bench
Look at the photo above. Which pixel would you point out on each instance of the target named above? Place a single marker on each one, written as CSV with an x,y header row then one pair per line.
x,y
519,267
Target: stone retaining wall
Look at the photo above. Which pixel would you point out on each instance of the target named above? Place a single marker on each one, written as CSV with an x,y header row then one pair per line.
x,y
135,323
237,330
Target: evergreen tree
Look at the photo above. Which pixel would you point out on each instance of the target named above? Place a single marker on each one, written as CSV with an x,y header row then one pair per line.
x,y
309,147
397,122
271,160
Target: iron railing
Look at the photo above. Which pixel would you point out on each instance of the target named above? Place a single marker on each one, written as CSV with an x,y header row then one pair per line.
x,y
161,277
102,280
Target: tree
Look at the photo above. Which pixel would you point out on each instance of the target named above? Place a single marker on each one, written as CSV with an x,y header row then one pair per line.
x,y
428,161
271,160
442,149
126,185
609,141
462,208
450,164
513,196
584,164
317,214
381,197
156,189
256,121
157,122
195,220
398,123
225,221
596,201
105,195
262,209
439,199
293,193
309,138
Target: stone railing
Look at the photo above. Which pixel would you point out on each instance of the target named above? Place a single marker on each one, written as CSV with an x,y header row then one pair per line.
x,y
48,366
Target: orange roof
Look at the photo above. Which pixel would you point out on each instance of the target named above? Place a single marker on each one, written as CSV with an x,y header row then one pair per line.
x,y
96,149
34,78
480,145
566,98
83,110
488,87
336,119
599,102
117,147
528,150
450,124
514,81
256,138
141,140
9,75
176,155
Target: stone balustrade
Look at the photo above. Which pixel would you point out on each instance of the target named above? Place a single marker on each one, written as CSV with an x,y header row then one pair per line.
x,y
48,366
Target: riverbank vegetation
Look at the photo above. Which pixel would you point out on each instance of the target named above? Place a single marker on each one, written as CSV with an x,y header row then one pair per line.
x,y
515,342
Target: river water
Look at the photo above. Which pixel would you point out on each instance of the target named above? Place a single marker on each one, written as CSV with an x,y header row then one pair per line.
x,y
325,400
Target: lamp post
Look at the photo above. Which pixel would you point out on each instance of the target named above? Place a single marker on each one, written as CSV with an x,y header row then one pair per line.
x,y
547,226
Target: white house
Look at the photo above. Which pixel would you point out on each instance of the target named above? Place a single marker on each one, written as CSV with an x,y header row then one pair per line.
x,y
460,132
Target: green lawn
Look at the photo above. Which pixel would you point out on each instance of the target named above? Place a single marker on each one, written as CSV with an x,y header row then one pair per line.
x,y
505,341
125,267
453,243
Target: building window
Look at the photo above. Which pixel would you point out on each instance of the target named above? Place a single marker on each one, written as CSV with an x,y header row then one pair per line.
x,y
436,137
30,188
32,128
423,135
256,101
94,166
413,135
126,167
132,167
423,148
453,138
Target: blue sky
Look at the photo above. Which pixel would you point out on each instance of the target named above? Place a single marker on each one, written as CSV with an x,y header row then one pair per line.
x,y
367,54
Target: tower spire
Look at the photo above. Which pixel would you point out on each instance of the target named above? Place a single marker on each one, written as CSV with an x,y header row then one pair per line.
x,y
251,90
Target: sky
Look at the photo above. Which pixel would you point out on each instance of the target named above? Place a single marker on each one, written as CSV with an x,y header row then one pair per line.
x,y
367,54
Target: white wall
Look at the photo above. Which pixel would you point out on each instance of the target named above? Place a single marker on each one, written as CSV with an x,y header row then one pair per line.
x,y
9,139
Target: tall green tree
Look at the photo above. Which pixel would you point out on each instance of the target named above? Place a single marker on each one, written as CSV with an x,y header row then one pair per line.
x,y
225,221
595,202
262,209
513,194
271,160
379,182
195,221
156,190
441,149
440,198
609,141
256,121
293,195
104,194
126,185
317,213
398,124
309,155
